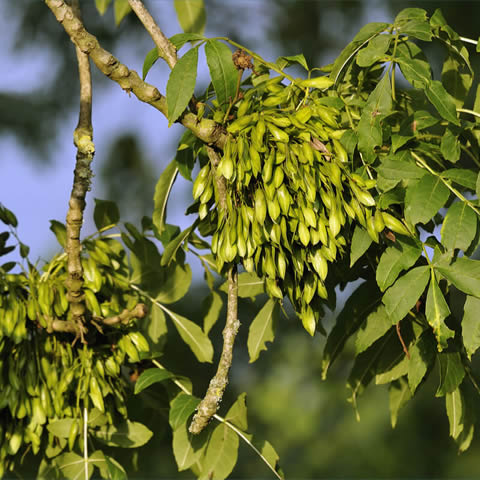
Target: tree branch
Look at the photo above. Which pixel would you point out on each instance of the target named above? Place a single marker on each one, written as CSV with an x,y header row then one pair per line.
x,y
206,129
81,183
209,405
166,49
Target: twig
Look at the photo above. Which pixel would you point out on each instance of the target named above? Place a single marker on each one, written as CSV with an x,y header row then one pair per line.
x,y
139,311
206,130
83,139
166,49
85,441
209,405
399,335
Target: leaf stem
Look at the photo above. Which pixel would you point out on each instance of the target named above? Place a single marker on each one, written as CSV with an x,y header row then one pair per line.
x,y
424,165
468,40
471,112
85,441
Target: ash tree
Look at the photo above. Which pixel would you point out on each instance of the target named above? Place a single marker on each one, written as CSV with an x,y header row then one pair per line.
x,y
364,170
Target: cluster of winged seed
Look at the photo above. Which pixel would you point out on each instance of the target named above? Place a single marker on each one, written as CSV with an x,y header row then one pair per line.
x,y
293,196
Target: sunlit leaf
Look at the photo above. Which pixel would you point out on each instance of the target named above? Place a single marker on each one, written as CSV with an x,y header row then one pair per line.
x,y
286,61
221,453
471,325
459,226
121,9
405,292
376,325
374,51
212,306
422,355
73,466
249,285
180,39
222,71
150,59
237,413
436,311
149,377
442,101
191,15
193,336
454,406
126,435
396,258
187,448
181,84
361,240
102,5
464,273
424,199
181,407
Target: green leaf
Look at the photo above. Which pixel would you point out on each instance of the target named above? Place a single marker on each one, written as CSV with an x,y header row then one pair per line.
x,y
379,104
396,258
457,79
222,71
422,355
191,15
425,198
115,470
73,466
405,292
154,328
171,249
418,29
121,9
102,5
105,214
180,39
442,101
181,84
181,408
360,303
471,325
376,326
60,232
451,372
249,285
450,146
361,38
221,453
150,59
176,282
187,448
24,250
436,311
413,64
361,240
212,306
400,167
464,273
461,176
374,51
237,413
459,227
185,157
151,376
409,14
399,395
286,61
126,435
454,406
262,329
193,336
60,428
394,370
145,261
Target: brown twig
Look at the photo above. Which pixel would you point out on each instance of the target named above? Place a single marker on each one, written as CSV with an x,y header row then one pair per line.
x,y
166,49
139,311
209,405
206,130
81,183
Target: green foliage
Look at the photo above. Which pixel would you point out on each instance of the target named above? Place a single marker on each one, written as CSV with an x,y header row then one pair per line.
x,y
320,182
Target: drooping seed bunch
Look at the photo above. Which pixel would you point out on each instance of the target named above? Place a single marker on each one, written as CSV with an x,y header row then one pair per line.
x,y
43,378
292,193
